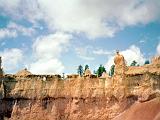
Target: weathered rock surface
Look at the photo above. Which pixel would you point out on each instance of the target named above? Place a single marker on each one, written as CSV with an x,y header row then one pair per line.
x,y
120,64
135,96
149,110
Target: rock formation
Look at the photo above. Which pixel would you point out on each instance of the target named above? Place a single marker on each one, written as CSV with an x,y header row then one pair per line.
x,y
23,73
142,111
120,65
72,76
83,98
156,60
87,72
105,76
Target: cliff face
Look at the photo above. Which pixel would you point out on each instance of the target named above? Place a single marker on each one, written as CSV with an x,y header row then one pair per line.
x,y
82,98
145,111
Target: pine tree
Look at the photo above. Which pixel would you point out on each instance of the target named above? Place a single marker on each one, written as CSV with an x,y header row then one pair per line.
x,y
111,72
134,63
100,70
146,62
80,70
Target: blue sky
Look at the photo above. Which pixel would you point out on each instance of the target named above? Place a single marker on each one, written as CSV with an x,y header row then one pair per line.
x,y
55,36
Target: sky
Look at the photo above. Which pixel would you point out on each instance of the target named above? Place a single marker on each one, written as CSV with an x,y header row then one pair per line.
x,y
56,36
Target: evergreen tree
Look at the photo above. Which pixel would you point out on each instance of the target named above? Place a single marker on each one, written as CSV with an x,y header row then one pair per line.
x,y
134,63
80,70
146,62
111,72
100,70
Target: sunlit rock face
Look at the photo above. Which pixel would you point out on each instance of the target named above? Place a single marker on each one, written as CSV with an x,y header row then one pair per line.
x,y
156,60
48,97
120,64
87,72
148,110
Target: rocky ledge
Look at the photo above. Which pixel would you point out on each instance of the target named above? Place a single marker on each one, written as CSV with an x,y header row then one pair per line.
x,y
129,96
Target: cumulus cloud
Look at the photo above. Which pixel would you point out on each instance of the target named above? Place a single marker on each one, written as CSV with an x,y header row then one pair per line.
x,y
47,66
11,59
21,9
98,18
130,54
95,18
47,51
9,6
158,49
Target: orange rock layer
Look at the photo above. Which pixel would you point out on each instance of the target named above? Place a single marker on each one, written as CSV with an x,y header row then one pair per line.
x,y
133,96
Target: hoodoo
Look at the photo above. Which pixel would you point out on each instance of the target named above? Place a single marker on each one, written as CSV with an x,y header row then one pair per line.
x,y
120,64
25,96
23,73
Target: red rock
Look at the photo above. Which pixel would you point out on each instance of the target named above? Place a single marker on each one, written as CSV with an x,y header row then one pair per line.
x,y
149,110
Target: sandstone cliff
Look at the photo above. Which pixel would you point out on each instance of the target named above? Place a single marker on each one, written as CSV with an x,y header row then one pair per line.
x,y
46,97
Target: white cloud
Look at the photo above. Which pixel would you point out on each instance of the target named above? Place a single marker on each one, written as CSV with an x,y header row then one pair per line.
x,y
130,54
75,17
47,66
8,5
21,9
85,53
11,59
47,51
51,46
134,53
6,33
98,18
88,58
89,53
95,18
21,29
158,49
102,52
13,30
109,63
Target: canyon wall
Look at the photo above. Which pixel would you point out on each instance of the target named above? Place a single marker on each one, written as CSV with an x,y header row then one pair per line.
x,y
48,97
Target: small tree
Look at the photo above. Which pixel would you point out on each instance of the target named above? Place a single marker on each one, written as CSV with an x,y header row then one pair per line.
x,y
100,70
111,72
146,62
134,63
80,70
